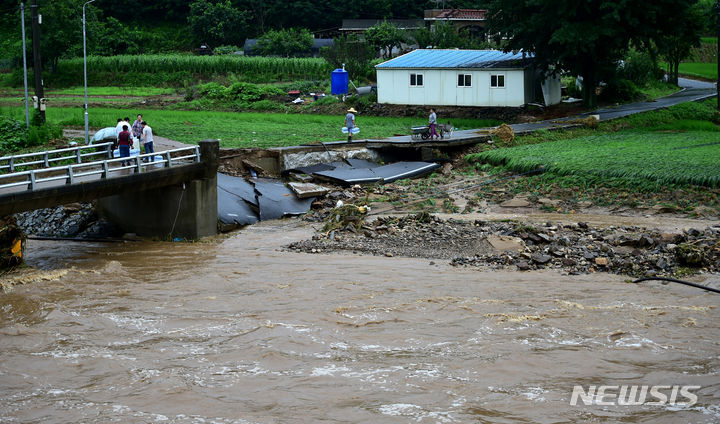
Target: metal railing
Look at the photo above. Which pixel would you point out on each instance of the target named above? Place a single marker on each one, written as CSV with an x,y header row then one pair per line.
x,y
103,169
47,158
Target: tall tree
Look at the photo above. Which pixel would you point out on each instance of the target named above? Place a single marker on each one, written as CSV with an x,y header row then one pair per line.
x,y
285,42
385,36
586,37
217,22
351,52
676,44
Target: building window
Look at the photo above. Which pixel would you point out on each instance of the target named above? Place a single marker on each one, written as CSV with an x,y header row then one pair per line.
x,y
497,81
464,80
416,80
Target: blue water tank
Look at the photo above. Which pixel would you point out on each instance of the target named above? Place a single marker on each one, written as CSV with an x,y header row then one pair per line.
x,y
339,82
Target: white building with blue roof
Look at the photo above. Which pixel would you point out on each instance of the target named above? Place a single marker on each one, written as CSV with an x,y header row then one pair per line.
x,y
463,78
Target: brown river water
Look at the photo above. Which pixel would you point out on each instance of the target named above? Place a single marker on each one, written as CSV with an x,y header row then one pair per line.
x,y
240,331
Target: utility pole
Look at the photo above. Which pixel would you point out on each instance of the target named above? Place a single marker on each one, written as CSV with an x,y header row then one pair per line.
x,y
37,64
24,55
87,134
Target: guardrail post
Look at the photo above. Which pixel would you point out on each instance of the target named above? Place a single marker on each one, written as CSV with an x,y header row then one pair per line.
x,y
31,186
109,151
46,159
71,177
138,164
106,170
78,155
11,164
197,154
169,159
209,152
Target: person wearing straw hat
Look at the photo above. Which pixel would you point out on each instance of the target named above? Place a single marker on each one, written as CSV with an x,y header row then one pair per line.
x,y
350,122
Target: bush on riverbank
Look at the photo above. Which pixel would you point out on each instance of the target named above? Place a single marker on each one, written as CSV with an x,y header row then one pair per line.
x,y
14,135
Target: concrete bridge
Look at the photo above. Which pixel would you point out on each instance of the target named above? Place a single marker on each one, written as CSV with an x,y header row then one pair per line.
x,y
175,196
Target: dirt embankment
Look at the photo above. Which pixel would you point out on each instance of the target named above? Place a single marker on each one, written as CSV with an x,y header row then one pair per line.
x,y
573,248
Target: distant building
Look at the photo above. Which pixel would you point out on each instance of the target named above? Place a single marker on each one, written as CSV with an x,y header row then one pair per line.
x,y
474,20
251,47
463,78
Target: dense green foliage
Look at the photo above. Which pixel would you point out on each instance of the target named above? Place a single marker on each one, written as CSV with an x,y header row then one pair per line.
x,y
286,42
217,23
444,35
585,38
133,26
384,37
15,136
677,42
356,55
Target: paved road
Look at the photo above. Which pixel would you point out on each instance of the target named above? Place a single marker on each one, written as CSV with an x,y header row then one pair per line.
x,y
159,143
692,90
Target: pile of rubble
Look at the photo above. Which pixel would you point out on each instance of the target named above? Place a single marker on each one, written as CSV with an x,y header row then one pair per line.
x,y
572,248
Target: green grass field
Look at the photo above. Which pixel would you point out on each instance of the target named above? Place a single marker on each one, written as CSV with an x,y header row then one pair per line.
x,y
244,129
665,156
702,70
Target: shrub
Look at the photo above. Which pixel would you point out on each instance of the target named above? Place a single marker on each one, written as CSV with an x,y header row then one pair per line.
x,y
211,90
14,136
638,68
226,50
620,90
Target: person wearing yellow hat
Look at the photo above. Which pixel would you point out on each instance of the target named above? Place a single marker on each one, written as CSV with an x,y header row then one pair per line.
x,y
350,122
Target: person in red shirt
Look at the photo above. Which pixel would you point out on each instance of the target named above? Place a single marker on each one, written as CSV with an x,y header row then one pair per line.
x,y
124,144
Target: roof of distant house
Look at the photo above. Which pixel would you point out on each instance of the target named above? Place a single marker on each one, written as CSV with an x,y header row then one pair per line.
x,y
364,24
458,59
456,14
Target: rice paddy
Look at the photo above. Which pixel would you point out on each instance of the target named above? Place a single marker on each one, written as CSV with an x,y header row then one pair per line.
x,y
665,156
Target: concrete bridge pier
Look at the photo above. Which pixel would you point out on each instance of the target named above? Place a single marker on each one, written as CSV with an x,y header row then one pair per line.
x,y
186,210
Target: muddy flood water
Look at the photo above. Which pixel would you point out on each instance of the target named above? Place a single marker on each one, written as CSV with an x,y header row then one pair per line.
x,y
241,331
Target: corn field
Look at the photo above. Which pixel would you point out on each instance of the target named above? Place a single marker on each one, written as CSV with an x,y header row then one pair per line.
x,y
257,69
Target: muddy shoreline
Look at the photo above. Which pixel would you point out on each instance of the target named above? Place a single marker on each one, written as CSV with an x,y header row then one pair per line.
x,y
576,248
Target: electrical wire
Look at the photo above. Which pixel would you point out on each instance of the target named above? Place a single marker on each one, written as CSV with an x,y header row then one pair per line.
x,y
675,280
178,210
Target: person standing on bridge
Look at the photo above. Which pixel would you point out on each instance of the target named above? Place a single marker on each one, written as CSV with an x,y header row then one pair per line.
x,y
147,138
124,144
137,129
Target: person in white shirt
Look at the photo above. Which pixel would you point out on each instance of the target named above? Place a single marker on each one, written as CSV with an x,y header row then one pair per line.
x,y
118,127
147,138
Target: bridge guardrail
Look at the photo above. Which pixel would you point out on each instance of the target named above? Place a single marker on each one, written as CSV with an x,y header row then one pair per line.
x,y
70,173
46,158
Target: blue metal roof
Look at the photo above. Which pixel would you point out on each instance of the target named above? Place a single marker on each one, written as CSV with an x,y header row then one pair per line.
x,y
451,59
